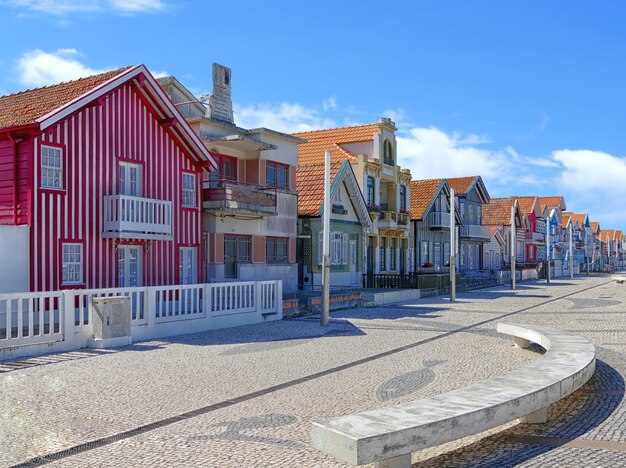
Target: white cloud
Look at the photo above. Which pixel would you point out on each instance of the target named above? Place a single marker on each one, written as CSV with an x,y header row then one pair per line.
x,y
432,153
593,183
329,103
284,117
160,74
39,68
57,7
66,7
137,6
592,170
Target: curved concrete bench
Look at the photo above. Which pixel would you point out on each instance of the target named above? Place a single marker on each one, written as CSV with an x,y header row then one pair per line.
x,y
387,436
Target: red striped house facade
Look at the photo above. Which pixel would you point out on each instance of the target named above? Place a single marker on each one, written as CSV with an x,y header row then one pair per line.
x,y
109,181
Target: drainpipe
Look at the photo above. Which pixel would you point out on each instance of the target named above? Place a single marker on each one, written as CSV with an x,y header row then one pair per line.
x,y
14,143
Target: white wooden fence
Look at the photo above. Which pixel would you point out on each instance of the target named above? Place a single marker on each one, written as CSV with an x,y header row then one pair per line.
x,y
38,322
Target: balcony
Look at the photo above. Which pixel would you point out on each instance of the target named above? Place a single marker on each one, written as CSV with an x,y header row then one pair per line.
x,y
535,237
239,199
439,221
127,217
474,231
393,220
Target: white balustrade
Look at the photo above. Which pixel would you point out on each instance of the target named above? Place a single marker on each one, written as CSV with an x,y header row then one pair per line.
x,y
156,311
137,217
29,318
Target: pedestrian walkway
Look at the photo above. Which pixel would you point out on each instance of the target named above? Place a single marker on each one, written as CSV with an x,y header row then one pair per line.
x,y
246,396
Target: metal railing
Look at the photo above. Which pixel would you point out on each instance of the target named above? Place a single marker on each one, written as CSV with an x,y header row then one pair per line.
x,y
226,194
392,219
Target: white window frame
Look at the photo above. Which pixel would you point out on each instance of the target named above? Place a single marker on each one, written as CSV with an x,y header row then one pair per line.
x,y
189,192
70,260
425,252
338,248
52,172
437,254
125,184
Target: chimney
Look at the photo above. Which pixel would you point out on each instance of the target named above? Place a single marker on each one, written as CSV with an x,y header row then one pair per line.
x,y
220,103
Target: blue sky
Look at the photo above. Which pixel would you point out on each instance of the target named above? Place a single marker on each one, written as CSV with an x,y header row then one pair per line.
x,y
531,95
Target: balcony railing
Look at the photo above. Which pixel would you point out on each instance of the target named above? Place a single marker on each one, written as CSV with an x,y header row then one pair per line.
x,y
393,220
440,220
137,218
237,197
475,231
535,237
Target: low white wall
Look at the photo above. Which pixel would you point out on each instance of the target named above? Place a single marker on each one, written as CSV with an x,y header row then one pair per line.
x,y
14,258
288,274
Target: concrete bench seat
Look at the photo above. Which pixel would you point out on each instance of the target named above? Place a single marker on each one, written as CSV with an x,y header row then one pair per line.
x,y
619,278
387,436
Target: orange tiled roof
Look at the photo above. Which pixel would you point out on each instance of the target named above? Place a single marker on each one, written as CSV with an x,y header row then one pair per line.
x,y
460,184
318,141
525,203
422,193
493,230
595,226
310,187
565,219
619,235
606,232
551,201
26,107
580,217
498,212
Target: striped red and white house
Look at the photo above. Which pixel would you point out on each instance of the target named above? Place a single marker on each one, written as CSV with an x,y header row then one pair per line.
x,y
107,174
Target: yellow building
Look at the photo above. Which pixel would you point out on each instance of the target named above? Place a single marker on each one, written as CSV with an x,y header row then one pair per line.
x,y
372,152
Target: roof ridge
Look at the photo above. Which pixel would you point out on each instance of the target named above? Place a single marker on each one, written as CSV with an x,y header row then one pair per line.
x,y
119,70
336,128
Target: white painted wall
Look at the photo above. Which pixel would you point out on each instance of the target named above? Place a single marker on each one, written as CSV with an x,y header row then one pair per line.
x,y
14,258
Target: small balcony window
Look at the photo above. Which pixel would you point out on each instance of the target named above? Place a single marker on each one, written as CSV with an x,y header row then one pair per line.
x,y
277,175
388,153
402,199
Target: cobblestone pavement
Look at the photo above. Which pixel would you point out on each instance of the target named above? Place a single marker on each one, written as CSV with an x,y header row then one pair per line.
x,y
246,396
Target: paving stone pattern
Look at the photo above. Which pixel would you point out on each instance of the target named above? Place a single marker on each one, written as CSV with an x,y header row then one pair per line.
x,y
257,388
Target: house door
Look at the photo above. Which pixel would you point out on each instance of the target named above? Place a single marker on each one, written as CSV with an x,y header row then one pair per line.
x,y
188,265
129,266
353,275
237,250
230,257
